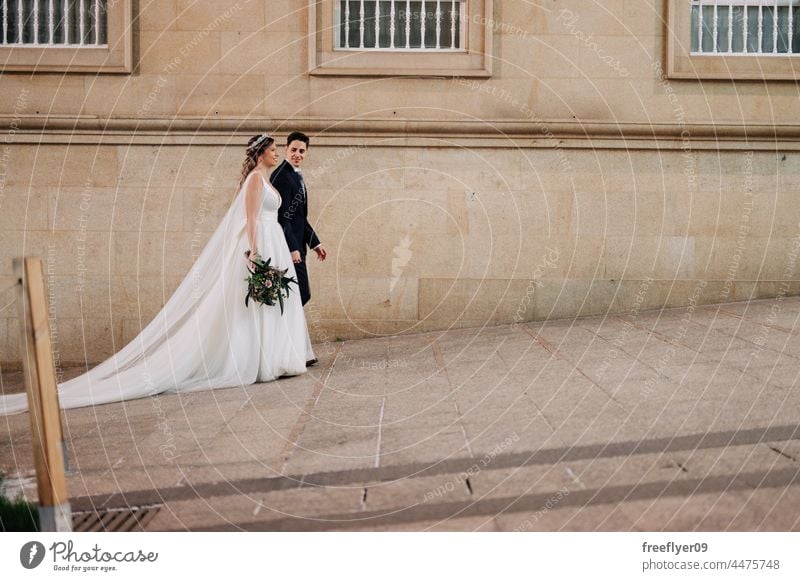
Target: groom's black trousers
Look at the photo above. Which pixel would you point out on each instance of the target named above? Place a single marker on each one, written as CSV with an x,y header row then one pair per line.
x,y
302,280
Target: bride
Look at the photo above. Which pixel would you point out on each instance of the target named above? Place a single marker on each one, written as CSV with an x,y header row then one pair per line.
x,y
205,337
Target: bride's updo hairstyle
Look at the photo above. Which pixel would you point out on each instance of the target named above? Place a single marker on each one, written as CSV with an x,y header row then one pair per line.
x,y
255,147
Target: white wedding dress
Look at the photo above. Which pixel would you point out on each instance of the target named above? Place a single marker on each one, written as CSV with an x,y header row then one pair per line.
x,y
205,337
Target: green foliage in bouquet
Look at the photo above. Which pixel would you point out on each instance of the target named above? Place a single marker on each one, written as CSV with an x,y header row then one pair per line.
x,y
266,284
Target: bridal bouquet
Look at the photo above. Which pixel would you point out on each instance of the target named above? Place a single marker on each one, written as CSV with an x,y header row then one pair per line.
x,y
266,284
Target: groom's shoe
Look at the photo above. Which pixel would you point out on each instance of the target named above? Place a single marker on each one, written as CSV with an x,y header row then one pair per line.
x,y
311,362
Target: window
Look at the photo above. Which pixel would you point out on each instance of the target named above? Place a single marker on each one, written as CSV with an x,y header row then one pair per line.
x,y
733,39
399,25
746,27
400,37
65,35
53,23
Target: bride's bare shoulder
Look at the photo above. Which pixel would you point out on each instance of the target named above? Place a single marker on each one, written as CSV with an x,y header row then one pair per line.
x,y
255,175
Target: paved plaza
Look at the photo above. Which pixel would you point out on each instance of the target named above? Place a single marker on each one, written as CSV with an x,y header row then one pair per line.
x,y
679,419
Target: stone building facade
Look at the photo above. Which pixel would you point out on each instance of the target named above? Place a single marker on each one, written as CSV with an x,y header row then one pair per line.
x,y
567,158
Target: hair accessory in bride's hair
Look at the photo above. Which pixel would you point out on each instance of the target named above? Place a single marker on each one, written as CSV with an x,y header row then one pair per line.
x,y
258,142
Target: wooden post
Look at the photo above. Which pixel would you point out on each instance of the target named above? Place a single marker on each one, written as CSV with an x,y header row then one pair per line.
x,y
36,350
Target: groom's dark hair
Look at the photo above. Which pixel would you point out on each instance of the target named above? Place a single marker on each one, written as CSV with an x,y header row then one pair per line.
x,y
298,136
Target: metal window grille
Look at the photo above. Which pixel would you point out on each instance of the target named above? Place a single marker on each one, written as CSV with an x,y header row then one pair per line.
x,y
400,25
73,23
745,27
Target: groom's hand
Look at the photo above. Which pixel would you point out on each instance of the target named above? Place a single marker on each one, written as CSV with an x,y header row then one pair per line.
x,y
322,254
296,257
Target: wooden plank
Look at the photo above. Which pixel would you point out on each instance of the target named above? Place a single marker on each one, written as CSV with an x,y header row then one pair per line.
x,y
40,383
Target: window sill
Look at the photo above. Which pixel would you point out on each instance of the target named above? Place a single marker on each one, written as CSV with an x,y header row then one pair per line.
x,y
476,61
682,64
117,57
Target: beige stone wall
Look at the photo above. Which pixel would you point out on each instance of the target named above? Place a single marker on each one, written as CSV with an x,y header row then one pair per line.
x,y
570,60
420,237
456,202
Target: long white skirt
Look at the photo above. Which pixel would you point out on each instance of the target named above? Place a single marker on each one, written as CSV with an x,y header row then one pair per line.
x,y
204,337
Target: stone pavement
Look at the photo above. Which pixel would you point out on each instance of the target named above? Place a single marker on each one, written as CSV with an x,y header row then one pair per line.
x,y
679,419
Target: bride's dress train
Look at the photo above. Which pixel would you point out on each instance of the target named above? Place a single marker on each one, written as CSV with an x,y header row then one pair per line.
x,y
205,337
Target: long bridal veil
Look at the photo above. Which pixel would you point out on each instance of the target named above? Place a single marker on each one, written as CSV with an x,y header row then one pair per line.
x,y
201,339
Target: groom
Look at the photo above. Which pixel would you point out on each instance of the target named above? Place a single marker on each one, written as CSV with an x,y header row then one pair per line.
x,y
293,213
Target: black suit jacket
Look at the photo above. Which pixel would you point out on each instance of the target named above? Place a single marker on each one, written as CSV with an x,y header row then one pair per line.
x,y
293,213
